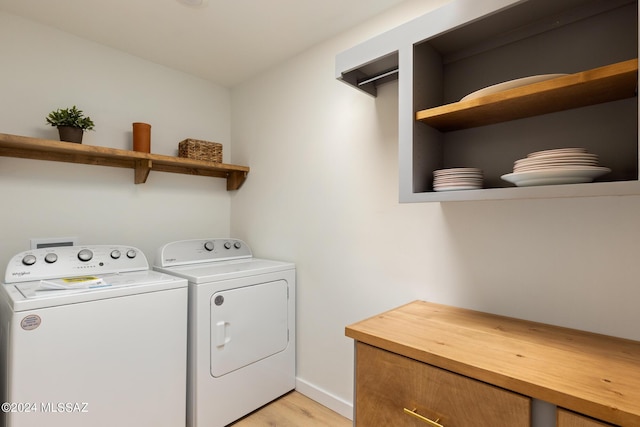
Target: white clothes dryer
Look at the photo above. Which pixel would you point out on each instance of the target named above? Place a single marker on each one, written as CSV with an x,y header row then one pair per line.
x,y
91,336
241,351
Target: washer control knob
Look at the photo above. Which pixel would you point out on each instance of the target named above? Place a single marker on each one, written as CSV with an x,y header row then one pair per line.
x,y
227,245
85,255
50,258
237,245
29,260
131,254
115,254
208,245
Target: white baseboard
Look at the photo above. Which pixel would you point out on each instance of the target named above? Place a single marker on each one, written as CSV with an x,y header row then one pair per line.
x,y
325,398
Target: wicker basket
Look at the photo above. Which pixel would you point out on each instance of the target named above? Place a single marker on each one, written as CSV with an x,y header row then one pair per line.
x,y
200,150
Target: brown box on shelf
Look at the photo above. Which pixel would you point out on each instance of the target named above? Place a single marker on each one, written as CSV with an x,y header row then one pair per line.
x,y
200,150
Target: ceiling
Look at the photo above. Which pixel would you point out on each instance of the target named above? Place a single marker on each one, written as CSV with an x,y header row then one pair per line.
x,y
225,41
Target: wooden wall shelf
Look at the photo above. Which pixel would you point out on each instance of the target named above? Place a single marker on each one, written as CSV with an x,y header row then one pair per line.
x,y
603,84
142,163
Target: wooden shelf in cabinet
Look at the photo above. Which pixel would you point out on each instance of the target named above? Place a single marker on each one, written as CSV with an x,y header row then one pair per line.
x,y
142,163
603,84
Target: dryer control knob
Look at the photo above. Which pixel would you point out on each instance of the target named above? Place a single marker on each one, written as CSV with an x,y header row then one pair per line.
x,y
29,260
208,245
131,253
237,245
115,254
85,255
227,245
50,258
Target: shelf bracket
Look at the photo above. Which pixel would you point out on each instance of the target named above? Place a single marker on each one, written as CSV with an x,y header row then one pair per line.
x,y
235,180
141,170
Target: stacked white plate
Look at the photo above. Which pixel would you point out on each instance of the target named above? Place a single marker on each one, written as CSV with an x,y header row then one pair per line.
x,y
457,179
559,166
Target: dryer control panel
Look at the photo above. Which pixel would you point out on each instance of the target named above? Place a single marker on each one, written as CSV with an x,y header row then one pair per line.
x,y
185,252
68,261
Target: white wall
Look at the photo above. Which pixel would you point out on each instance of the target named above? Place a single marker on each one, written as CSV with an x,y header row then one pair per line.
x,y
42,69
323,193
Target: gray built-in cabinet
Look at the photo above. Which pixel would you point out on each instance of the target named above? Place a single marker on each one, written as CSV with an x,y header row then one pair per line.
x,y
466,45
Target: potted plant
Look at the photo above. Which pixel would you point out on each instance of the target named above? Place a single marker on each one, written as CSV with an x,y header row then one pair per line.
x,y
71,123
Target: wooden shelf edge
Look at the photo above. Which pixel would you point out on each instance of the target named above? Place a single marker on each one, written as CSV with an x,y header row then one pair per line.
x,y
142,163
603,84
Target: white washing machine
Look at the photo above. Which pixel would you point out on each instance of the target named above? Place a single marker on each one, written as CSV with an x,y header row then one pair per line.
x,y
91,336
241,352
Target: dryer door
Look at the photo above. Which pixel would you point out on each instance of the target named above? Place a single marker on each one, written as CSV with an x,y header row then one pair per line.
x,y
248,324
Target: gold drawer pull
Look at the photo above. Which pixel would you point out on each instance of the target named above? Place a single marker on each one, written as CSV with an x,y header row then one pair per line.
x,y
413,413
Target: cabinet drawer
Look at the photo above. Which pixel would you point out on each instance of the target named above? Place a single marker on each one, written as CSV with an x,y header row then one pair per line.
x,y
387,384
567,418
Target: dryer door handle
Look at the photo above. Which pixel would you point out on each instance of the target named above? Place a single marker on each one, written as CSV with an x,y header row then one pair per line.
x,y
222,333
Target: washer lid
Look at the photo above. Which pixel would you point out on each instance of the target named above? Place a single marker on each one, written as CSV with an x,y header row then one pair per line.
x,y
40,294
224,270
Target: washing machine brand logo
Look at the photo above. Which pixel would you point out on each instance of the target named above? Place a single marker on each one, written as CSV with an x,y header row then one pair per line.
x,y
30,322
20,273
170,259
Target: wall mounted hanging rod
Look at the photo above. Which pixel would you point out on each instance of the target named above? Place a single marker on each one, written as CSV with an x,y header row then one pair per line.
x,y
379,76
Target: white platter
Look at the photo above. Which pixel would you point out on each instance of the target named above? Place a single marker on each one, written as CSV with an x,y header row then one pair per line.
x,y
545,168
511,84
555,176
559,163
558,151
555,157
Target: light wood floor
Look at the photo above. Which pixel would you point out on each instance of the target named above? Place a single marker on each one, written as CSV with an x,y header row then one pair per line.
x,y
293,410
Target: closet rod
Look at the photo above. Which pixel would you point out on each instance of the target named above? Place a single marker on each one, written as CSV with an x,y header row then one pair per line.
x,y
379,76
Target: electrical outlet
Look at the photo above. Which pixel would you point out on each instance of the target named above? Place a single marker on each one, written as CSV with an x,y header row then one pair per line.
x,y
50,242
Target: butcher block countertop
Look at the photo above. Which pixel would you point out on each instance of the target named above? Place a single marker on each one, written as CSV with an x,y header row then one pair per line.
x,y
592,374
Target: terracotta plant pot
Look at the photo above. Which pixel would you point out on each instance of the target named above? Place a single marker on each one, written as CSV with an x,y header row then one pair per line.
x,y
70,134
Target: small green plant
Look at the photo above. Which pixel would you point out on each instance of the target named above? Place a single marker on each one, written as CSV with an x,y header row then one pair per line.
x,y
70,117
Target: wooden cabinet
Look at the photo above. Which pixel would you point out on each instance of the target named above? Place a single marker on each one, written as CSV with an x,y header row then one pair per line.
x,y
571,419
394,390
141,163
470,369
467,45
